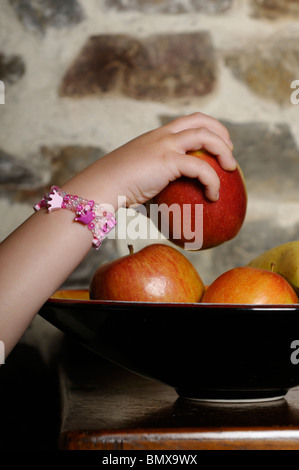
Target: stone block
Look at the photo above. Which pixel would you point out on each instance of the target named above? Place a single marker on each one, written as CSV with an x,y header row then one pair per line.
x,y
26,180
170,6
38,15
269,67
275,9
159,67
11,68
66,161
269,158
16,173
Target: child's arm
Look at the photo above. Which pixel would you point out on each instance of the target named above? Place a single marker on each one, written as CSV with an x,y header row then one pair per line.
x,y
39,256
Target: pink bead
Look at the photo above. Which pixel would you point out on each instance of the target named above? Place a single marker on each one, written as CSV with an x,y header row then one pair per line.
x,y
91,226
85,218
79,207
55,201
96,243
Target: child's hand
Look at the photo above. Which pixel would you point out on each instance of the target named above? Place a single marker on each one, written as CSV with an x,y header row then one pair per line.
x,y
143,167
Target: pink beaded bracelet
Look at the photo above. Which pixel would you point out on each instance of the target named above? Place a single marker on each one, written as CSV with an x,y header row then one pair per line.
x,y
98,220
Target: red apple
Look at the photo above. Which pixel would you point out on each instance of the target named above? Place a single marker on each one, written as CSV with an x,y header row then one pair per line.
x,y
248,285
220,220
156,273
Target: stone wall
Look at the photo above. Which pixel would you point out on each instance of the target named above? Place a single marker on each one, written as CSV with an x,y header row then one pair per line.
x,y
83,77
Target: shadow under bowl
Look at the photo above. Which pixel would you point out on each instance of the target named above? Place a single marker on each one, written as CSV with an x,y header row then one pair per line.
x,y
204,351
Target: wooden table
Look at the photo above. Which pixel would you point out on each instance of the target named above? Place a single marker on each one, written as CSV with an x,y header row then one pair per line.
x,y
105,407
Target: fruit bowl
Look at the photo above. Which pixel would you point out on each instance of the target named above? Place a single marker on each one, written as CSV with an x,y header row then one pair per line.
x,y
215,352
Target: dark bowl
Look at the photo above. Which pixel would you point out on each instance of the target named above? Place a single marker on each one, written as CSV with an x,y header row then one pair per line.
x,y
204,351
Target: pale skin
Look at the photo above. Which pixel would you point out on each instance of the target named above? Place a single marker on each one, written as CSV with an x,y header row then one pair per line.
x,y
40,254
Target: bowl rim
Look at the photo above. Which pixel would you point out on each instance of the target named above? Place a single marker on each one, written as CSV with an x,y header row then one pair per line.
x,y
200,305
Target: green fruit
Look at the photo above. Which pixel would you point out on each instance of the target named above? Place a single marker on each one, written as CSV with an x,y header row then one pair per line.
x,y
283,260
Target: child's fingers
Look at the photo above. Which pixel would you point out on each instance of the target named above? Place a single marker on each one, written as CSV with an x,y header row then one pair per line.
x,y
193,167
195,139
200,120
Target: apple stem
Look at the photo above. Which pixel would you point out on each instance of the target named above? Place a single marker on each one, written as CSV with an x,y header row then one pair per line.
x,y
131,249
272,267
